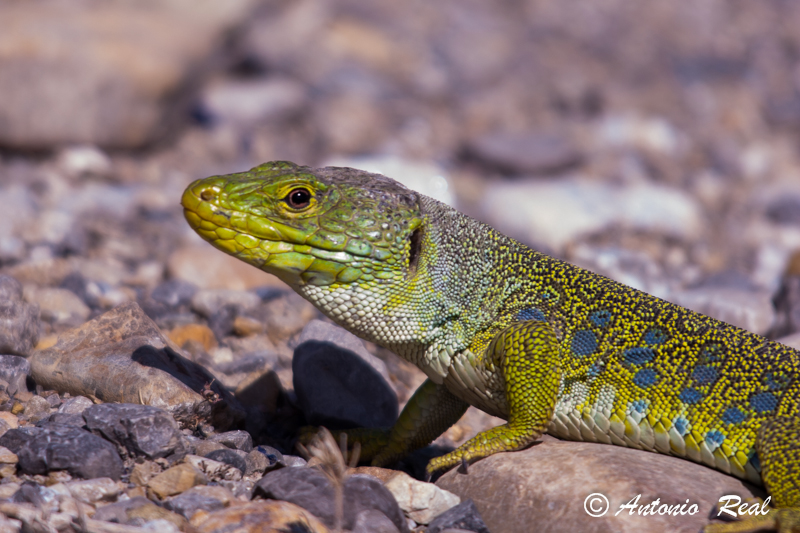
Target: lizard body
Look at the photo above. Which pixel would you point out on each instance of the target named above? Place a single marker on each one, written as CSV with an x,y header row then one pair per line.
x,y
539,342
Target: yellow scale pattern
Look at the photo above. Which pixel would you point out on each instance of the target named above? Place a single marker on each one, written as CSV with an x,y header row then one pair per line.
x,y
440,289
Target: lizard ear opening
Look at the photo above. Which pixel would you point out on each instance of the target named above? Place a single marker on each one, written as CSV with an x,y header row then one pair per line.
x,y
415,247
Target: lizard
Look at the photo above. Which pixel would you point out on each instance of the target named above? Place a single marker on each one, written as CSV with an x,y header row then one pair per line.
x,y
543,344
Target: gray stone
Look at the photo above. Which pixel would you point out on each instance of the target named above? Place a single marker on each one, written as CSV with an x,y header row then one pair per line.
x,y
263,459
169,297
19,321
249,102
142,430
56,447
529,153
335,382
748,309
310,489
228,456
36,406
463,516
122,357
420,501
558,213
14,370
787,306
202,497
554,478
372,521
207,302
113,88
75,405
64,419
237,439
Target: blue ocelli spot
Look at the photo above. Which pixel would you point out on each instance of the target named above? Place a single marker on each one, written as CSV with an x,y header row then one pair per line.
x,y
595,369
584,342
715,437
712,352
655,336
733,415
640,406
600,318
776,380
638,356
690,395
763,402
681,425
704,375
531,313
645,377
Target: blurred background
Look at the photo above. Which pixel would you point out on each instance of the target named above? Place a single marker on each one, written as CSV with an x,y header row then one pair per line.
x,y
653,142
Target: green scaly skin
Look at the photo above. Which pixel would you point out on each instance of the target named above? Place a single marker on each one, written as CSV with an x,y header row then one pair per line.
x,y
543,344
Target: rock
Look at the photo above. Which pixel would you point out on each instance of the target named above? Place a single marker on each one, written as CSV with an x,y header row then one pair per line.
x,y
420,501
791,340
36,407
176,480
527,153
336,380
198,333
464,516
555,477
238,440
75,405
558,213
7,457
263,459
372,521
210,268
310,489
208,302
14,370
54,447
748,309
287,314
94,490
205,447
143,472
261,516
141,430
138,511
112,88
200,498
63,419
787,305
122,357
10,419
215,470
252,101
173,295
58,305
19,321
230,457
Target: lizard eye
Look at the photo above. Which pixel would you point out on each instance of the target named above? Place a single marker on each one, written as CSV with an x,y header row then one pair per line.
x,y
298,198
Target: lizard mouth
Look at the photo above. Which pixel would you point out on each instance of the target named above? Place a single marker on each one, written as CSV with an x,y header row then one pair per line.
x,y
274,246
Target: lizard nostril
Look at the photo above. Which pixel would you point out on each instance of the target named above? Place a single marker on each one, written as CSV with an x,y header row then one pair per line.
x,y
207,195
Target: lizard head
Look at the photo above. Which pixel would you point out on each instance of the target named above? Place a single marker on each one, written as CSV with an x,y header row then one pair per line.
x,y
319,227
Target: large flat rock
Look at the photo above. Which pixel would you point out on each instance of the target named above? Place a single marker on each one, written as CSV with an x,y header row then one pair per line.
x,y
545,487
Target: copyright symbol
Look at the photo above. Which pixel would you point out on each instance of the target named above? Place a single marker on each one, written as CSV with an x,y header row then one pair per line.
x,y
595,504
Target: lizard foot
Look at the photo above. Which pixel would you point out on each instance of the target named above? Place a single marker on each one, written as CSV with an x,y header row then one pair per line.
x,y
499,439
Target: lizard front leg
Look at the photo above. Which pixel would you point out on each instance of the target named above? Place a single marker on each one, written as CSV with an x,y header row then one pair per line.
x,y
527,354
429,413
